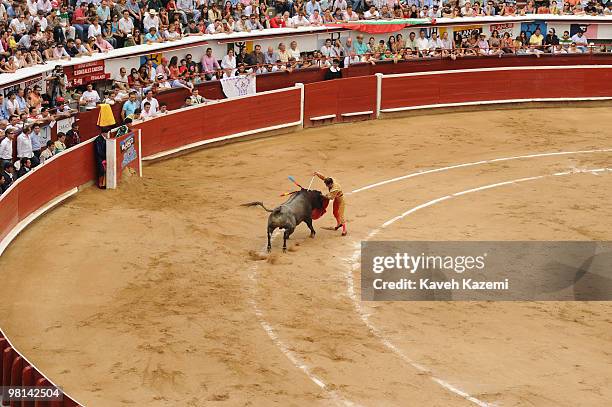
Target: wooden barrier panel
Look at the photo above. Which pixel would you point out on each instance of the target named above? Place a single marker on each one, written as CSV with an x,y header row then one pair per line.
x,y
340,100
450,87
218,120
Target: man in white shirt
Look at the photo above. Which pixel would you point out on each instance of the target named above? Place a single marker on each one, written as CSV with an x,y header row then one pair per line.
x,y
353,58
151,20
42,20
32,6
24,146
294,51
44,5
326,49
300,20
350,15
121,79
90,98
340,4
422,43
435,42
146,112
151,101
581,41
6,147
371,14
126,25
18,25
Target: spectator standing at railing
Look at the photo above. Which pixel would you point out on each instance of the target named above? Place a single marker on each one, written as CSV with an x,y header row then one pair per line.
x,y
254,24
130,106
422,43
162,69
90,98
35,140
6,146
228,62
326,49
25,147
210,65
73,136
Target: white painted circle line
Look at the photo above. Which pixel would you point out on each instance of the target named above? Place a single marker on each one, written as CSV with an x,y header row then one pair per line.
x,y
354,266
282,346
471,164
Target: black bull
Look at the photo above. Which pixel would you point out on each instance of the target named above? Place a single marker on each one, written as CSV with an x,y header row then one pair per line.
x,y
297,209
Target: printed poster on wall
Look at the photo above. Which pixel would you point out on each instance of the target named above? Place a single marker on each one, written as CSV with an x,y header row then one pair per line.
x,y
155,57
65,125
128,150
239,85
531,26
466,31
589,30
502,29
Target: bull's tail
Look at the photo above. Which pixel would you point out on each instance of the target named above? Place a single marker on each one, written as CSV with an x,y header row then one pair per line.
x,y
256,204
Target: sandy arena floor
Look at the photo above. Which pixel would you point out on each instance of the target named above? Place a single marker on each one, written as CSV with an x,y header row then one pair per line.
x,y
158,294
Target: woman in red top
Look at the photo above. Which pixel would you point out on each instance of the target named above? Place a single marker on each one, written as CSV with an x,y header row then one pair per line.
x,y
175,75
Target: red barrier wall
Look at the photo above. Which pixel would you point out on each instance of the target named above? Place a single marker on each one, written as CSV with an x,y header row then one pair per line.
x,y
68,170
219,119
474,86
338,97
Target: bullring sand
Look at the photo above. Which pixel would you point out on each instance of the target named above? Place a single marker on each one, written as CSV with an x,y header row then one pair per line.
x,y
158,293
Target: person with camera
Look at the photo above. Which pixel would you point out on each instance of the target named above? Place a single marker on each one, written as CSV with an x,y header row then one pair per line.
x,y
56,84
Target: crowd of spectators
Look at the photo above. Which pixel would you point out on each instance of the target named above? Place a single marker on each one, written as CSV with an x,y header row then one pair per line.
x,y
187,72
37,31
25,132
